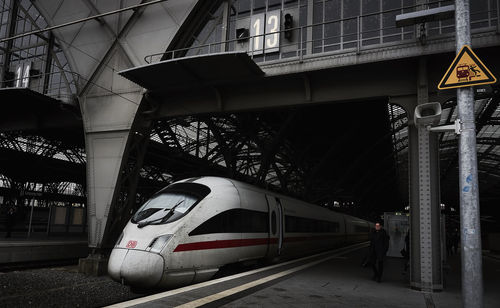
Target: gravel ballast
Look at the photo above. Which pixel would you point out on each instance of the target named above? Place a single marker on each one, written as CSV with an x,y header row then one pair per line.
x,y
60,287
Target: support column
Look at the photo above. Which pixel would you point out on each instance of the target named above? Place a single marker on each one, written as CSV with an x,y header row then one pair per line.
x,y
107,122
96,50
425,236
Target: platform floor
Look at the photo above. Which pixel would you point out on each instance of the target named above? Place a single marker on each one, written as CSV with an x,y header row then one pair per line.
x,y
38,248
333,279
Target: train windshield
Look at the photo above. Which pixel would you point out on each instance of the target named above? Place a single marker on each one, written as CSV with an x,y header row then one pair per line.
x,y
170,204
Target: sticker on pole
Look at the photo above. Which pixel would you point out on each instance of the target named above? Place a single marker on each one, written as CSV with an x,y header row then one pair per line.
x,y
465,71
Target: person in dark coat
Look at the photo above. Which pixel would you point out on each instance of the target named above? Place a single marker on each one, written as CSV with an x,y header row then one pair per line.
x,y
379,244
10,219
406,250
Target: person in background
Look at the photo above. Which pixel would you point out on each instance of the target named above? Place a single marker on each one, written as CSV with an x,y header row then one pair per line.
x,y
455,240
379,244
406,250
10,219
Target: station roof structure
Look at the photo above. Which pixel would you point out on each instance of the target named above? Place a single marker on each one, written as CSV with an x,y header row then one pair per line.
x,y
314,153
37,131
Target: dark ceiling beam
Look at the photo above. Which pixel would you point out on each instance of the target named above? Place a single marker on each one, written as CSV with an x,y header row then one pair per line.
x,y
193,24
487,112
494,121
453,143
349,172
403,142
29,167
164,130
12,22
116,44
281,178
375,170
334,149
273,146
380,184
222,144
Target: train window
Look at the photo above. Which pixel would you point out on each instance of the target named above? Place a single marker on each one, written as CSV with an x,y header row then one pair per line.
x,y
234,221
361,229
170,204
309,225
273,222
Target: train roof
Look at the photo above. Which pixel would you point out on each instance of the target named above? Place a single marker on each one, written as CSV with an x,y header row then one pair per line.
x,y
214,181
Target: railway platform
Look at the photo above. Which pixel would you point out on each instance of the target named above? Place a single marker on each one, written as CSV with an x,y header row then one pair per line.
x,y
22,250
332,279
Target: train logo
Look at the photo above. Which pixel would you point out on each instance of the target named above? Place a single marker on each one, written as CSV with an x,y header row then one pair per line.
x,y
131,244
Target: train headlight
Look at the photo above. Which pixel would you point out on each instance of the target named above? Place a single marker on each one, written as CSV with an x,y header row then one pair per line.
x,y
158,243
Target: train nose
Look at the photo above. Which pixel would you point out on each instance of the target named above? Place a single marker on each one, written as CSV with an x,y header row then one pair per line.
x,y
136,267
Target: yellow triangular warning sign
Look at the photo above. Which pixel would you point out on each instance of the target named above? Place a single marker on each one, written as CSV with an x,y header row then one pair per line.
x,y
465,71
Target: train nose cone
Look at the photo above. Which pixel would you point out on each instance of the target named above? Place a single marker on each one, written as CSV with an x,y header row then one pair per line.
x,y
136,267
115,263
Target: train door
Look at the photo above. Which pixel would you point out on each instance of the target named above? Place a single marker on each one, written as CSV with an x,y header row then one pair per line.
x,y
280,225
276,226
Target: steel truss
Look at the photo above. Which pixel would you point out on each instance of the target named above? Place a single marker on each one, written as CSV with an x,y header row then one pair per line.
x,y
41,147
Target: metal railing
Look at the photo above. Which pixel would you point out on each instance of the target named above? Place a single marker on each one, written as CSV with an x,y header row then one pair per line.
x,y
63,85
58,87
320,42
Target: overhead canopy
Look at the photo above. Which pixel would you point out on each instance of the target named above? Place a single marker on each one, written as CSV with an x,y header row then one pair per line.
x,y
31,167
189,71
25,110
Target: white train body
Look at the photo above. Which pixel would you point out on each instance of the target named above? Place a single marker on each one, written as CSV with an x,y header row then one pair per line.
x,y
220,221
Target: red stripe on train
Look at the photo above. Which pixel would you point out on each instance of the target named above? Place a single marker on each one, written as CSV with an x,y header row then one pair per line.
x,y
225,244
245,242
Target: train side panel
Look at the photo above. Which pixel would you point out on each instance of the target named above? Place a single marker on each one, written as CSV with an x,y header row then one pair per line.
x,y
308,230
195,246
357,230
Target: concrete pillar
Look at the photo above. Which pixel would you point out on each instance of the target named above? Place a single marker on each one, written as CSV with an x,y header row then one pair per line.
x,y
107,123
425,236
96,50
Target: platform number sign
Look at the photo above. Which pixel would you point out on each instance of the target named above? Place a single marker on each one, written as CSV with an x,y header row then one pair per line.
x,y
264,32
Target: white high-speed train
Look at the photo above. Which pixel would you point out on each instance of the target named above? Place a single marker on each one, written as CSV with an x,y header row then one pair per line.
x,y
191,228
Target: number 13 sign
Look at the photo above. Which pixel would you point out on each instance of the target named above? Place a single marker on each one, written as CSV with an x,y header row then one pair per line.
x,y
268,24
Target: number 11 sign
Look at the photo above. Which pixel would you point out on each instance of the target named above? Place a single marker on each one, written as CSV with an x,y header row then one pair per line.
x,y
268,24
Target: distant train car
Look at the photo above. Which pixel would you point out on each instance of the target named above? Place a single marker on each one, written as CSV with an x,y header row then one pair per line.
x,y
191,228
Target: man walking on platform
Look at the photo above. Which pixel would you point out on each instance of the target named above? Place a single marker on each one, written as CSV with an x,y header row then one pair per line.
x,y
10,218
379,244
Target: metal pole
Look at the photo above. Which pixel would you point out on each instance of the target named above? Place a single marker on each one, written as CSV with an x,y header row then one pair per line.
x,y
498,17
31,217
359,34
301,53
472,269
49,220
